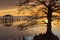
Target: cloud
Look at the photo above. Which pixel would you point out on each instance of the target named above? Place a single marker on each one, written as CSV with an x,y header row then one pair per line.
x,y
6,4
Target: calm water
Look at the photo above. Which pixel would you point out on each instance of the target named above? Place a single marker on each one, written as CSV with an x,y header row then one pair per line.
x,y
14,32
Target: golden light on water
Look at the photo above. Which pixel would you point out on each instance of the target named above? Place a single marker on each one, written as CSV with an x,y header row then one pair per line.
x,y
46,21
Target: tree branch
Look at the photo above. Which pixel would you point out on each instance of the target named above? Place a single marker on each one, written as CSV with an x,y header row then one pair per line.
x,y
57,8
42,2
22,3
53,3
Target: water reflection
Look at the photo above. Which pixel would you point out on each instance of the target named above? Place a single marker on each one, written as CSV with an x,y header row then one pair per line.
x,y
7,20
23,27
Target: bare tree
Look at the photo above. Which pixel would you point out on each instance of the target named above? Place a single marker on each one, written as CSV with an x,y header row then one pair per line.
x,y
49,5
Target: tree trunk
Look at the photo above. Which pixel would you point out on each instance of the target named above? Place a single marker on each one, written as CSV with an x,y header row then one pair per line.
x,y
49,17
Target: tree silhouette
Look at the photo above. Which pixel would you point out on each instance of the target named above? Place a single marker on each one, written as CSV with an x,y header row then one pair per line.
x,y
50,6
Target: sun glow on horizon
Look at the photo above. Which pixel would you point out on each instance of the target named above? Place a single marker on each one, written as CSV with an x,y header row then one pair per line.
x,y
24,12
9,11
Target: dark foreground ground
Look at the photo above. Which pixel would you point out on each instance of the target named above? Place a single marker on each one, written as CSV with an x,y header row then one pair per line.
x,y
46,36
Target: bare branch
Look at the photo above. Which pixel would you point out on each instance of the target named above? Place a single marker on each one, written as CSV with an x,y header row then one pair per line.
x,y
57,9
54,2
22,3
21,8
42,2
43,10
25,25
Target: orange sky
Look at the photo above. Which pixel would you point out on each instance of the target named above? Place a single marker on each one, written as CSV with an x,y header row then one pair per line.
x,y
14,12
6,8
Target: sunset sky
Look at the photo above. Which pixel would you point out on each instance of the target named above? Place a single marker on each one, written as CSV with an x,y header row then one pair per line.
x,y
17,30
9,7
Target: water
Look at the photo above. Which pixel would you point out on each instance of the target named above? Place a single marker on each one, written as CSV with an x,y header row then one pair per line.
x,y
14,32
56,29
